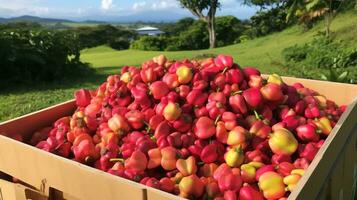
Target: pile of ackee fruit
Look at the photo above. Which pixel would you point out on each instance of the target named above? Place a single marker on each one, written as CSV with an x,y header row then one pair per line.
x,y
203,129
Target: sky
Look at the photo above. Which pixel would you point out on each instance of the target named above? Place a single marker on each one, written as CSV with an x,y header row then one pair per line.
x,y
112,10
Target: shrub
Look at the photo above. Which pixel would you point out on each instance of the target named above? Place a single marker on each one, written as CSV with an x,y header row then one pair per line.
x,y
119,43
322,58
149,43
104,34
295,53
38,56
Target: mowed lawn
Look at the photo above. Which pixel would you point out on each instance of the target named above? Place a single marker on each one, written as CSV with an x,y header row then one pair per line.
x,y
263,53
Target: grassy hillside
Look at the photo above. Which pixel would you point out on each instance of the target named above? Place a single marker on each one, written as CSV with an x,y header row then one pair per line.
x,y
264,53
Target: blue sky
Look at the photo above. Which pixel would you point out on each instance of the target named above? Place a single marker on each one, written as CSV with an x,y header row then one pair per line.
x,y
110,9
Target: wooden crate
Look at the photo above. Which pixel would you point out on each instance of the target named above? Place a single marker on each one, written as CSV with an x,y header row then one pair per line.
x,y
16,191
330,176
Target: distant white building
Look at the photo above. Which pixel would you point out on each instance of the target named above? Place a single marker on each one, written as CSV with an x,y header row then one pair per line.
x,y
148,30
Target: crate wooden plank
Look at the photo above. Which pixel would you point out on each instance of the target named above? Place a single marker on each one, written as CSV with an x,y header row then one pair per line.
x,y
13,191
350,163
337,179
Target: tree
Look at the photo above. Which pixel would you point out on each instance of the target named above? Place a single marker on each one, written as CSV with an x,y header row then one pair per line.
x,y
228,30
197,8
308,10
263,4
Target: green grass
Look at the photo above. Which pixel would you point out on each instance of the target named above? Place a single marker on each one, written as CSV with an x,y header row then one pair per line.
x,y
264,53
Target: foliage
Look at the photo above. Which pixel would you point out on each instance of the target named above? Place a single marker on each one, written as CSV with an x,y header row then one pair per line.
x,y
38,56
195,37
20,25
265,22
174,29
323,56
104,34
228,29
119,43
263,4
308,11
149,43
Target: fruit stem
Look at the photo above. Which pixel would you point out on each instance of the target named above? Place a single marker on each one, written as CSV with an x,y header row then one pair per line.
x,y
257,115
224,70
217,119
116,160
237,92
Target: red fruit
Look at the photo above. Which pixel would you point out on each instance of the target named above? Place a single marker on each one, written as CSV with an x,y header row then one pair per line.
x,y
230,181
248,192
238,104
234,76
183,124
255,81
256,156
137,161
272,92
167,185
155,121
183,90
262,170
85,151
135,119
169,158
197,97
209,153
223,61
248,71
285,168
221,170
301,163
40,135
253,97
204,128
278,158
148,75
174,139
308,151
159,89
200,112
307,133
230,195
300,107
217,97
163,129
171,80
260,129
118,124
83,97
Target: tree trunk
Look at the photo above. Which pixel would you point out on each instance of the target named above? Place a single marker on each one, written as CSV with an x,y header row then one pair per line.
x,y
327,25
212,32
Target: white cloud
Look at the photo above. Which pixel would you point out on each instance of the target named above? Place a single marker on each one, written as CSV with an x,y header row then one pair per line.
x,y
139,6
106,4
165,4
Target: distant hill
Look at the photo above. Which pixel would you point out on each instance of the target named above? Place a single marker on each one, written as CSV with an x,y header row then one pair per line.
x,y
29,18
